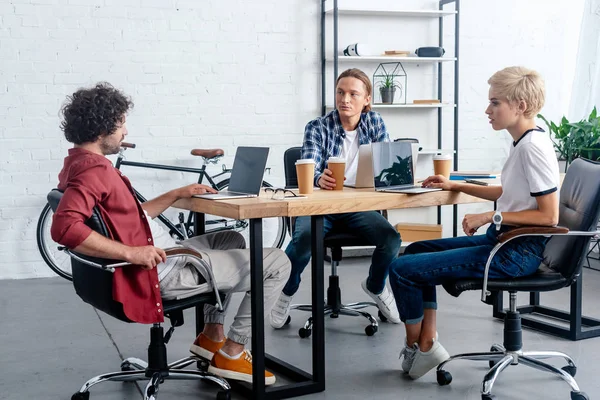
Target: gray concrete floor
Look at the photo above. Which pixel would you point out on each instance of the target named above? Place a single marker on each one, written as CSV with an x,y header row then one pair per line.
x,y
51,343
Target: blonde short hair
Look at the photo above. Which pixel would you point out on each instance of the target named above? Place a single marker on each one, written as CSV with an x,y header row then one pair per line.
x,y
520,83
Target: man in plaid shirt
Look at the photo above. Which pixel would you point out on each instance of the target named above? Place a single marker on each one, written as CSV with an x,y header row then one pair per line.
x,y
339,134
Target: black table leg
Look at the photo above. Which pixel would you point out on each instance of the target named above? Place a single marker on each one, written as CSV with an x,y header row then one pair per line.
x,y
258,310
304,383
318,299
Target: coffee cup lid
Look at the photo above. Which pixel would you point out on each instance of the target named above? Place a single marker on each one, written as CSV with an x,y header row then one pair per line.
x,y
336,160
442,157
305,161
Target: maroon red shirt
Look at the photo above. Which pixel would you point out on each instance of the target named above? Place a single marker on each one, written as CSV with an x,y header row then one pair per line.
x,y
89,180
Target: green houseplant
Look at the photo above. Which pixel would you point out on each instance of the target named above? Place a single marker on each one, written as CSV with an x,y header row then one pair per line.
x,y
387,88
576,139
390,80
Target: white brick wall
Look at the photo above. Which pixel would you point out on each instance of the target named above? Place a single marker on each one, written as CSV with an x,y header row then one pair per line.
x,y
208,74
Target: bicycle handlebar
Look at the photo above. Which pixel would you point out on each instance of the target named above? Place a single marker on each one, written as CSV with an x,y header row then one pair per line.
x,y
128,145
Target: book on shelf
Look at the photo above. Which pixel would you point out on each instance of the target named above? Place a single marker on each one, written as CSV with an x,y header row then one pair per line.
x,y
462,175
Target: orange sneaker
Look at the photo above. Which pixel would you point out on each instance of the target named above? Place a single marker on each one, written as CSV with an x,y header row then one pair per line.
x,y
239,369
204,347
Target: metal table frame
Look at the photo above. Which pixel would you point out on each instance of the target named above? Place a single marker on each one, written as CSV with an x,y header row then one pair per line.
x,y
303,382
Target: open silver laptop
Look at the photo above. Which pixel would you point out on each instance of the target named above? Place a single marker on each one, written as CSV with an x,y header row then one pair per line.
x,y
246,174
393,168
364,169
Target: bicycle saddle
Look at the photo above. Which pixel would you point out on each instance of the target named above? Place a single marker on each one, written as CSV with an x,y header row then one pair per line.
x,y
207,153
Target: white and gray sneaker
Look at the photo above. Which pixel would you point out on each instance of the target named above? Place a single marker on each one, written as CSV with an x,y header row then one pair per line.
x,y
385,302
280,311
426,361
409,353
409,356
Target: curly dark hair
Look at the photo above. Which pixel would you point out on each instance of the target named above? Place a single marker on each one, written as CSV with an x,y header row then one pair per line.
x,y
91,113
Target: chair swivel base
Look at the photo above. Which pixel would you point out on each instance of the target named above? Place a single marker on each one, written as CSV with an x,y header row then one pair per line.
x,y
135,369
334,308
501,357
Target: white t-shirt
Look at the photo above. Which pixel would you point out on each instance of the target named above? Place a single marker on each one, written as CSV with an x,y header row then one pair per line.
x,y
163,240
530,171
350,153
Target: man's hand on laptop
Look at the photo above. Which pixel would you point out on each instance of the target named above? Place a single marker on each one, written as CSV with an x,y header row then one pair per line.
x,y
195,188
146,256
438,181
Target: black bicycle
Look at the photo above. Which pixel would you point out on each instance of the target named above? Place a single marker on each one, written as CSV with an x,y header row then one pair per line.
x,y
274,229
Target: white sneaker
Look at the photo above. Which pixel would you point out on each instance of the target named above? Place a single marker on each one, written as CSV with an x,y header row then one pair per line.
x,y
409,354
280,311
385,302
424,362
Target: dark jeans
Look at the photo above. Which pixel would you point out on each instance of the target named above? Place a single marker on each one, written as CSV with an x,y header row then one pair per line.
x,y
371,225
414,275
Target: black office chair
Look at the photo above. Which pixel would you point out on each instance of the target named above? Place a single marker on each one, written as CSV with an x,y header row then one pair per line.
x,y
92,279
334,240
563,258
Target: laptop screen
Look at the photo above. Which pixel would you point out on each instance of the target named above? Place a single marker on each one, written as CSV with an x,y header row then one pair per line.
x,y
392,164
248,169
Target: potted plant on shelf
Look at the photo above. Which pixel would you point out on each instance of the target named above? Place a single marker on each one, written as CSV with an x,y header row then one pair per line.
x,y
575,139
390,79
387,89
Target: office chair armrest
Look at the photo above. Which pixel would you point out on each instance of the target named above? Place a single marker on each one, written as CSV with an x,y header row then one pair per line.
x,y
175,252
172,252
82,259
531,230
526,231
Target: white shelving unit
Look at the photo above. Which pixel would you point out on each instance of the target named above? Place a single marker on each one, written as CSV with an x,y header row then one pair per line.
x,y
390,13
405,59
410,105
336,10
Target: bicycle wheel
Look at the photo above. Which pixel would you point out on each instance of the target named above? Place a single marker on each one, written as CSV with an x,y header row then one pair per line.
x,y
57,260
274,229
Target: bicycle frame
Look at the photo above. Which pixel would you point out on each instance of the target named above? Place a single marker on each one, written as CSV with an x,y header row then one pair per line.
x,y
200,171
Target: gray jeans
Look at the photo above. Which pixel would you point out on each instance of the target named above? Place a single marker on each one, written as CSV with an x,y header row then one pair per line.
x,y
229,260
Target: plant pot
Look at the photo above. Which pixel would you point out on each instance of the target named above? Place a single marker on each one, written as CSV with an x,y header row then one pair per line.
x,y
562,166
387,95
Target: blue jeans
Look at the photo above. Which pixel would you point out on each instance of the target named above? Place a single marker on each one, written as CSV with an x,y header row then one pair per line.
x,y
370,225
424,265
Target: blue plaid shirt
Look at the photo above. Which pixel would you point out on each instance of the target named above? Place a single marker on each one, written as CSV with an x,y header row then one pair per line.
x,y
324,137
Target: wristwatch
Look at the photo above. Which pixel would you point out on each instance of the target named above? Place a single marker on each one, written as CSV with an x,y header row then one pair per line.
x,y
497,219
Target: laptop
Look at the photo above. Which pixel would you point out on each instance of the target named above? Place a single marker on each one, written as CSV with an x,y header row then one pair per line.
x,y
393,168
246,175
364,169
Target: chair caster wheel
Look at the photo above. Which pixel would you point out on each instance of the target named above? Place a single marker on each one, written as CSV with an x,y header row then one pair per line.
x,y
125,366
492,363
382,317
304,333
203,365
84,396
288,320
334,315
487,397
579,396
371,330
443,377
571,370
224,395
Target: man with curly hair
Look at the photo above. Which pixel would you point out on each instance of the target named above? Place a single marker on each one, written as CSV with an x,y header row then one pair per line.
x,y
94,121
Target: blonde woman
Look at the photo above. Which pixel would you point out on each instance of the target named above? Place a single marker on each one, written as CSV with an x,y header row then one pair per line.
x,y
528,196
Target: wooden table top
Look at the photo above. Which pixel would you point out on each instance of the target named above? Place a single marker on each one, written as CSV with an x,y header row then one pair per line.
x,y
322,202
